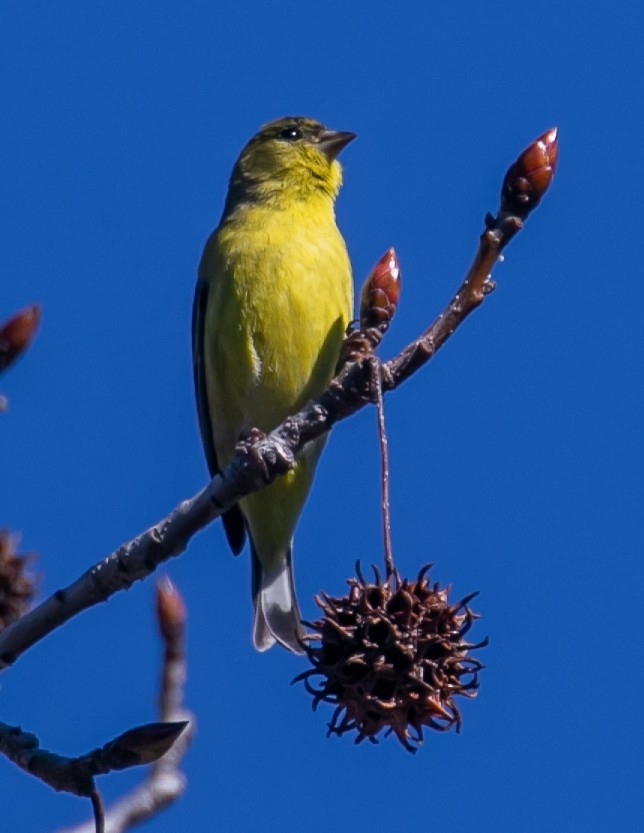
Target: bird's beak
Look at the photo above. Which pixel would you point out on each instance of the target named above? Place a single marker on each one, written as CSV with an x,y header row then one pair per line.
x,y
331,142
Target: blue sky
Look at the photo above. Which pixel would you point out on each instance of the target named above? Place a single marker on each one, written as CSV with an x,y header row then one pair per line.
x,y
516,455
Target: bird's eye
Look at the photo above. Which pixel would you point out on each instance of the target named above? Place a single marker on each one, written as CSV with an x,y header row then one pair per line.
x,y
290,134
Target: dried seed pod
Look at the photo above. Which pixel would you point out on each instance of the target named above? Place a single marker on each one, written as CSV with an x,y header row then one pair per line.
x,y
392,655
528,179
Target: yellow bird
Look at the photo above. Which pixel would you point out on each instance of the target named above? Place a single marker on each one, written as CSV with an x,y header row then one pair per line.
x,y
274,297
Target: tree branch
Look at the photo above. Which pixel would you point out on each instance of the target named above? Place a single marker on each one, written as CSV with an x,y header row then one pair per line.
x,y
261,458
165,783
141,745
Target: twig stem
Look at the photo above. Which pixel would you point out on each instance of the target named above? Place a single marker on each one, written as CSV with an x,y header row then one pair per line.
x,y
99,814
390,569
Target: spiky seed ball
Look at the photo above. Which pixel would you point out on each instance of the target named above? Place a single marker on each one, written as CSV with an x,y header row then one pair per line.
x,y
17,586
392,655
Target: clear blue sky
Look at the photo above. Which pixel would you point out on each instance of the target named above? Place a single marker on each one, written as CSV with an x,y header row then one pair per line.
x,y
516,456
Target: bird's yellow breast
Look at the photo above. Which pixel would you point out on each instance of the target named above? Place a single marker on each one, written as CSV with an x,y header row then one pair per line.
x,y
279,302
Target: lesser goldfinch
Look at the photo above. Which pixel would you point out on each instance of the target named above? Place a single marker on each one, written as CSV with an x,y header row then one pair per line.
x,y
274,297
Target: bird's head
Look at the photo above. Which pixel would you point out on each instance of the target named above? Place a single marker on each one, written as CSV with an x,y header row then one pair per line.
x,y
293,157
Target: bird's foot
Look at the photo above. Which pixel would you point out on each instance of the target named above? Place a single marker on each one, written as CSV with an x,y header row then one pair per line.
x,y
356,345
264,456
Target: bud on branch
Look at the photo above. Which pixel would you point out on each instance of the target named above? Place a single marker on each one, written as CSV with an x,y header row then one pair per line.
x,y
528,179
16,334
381,292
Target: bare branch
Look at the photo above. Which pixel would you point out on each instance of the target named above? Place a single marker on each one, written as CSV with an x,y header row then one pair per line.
x,y
61,773
524,185
261,458
165,782
76,775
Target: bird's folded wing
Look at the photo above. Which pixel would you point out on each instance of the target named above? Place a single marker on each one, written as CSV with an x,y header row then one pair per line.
x,y
233,519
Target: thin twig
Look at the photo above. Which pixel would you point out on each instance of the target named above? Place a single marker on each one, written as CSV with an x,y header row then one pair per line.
x,y
61,773
165,782
390,569
99,813
144,744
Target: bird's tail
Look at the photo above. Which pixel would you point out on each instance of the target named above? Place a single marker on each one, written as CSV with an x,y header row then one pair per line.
x,y
277,616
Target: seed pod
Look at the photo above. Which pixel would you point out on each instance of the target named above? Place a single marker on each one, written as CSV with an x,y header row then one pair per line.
x,y
391,655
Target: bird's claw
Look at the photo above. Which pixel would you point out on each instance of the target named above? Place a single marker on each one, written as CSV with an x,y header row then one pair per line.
x,y
355,346
263,457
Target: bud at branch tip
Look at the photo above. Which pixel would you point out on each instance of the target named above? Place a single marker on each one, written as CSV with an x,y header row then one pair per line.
x,y
381,292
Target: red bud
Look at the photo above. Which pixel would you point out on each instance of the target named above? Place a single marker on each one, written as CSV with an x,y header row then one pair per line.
x,y
381,292
17,333
528,179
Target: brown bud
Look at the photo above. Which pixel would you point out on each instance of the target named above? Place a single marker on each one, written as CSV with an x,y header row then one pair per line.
x,y
381,292
170,609
142,745
528,179
17,333
17,585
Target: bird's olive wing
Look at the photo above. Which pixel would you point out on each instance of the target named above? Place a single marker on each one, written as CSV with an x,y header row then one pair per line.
x,y
233,520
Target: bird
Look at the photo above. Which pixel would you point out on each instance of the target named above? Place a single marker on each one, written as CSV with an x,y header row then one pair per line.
x,y
274,297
